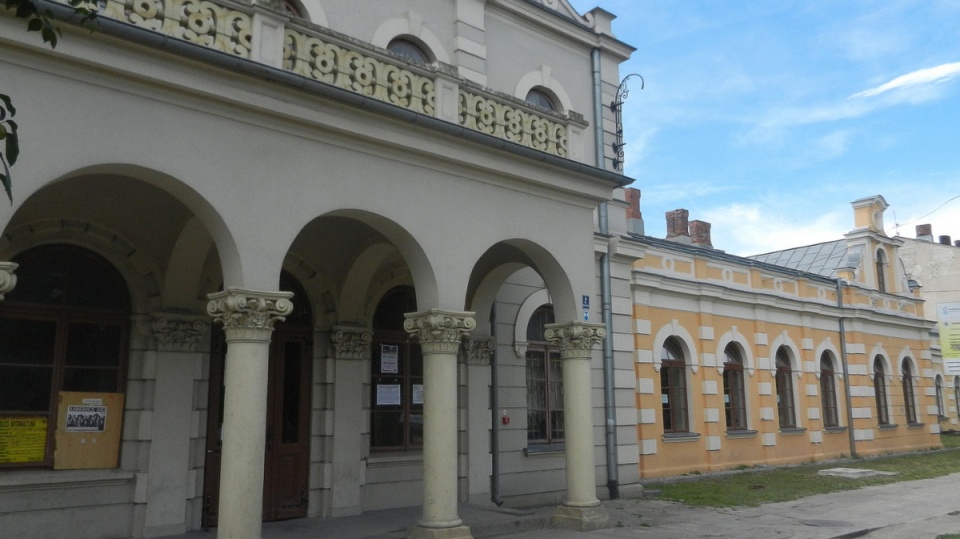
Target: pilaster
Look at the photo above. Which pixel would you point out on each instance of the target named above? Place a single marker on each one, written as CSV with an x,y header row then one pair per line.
x,y
479,354
440,333
178,338
581,510
351,346
248,318
7,278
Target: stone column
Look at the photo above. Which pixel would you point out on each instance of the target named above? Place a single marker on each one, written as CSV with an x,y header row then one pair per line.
x,y
7,279
440,333
178,340
352,352
581,510
479,353
247,317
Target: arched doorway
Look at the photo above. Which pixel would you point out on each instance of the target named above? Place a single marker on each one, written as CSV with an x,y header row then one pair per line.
x,y
287,459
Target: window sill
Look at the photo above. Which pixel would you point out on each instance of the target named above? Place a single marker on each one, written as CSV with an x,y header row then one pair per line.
x,y
675,437
792,431
395,459
741,433
887,426
544,449
14,480
835,430
914,425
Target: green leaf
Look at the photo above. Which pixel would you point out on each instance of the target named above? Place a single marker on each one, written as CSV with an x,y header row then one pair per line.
x,y
12,142
8,104
35,25
5,179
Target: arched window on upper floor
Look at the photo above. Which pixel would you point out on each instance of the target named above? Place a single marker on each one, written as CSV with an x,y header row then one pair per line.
x,y
880,391
293,7
673,387
828,391
409,49
544,382
881,270
909,402
734,393
785,393
542,98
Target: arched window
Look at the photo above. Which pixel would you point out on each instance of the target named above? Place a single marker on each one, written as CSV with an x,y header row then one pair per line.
x,y
734,394
909,403
63,328
880,391
408,49
541,97
881,270
396,408
293,7
828,392
544,382
673,387
784,378
939,386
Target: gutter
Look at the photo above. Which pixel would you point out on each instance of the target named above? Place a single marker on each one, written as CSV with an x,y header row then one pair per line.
x,y
846,371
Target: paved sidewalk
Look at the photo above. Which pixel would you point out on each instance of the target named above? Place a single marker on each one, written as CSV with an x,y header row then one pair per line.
x,y
913,509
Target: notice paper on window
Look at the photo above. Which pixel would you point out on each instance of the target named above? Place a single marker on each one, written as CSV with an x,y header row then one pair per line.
x,y
388,394
389,358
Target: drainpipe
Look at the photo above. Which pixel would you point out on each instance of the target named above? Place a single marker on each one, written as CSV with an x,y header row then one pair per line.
x,y
846,371
609,400
494,416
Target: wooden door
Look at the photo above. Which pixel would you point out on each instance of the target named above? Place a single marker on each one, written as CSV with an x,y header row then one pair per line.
x,y
287,455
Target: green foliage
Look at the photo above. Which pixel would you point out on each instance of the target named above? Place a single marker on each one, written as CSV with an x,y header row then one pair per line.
x,y
38,20
754,487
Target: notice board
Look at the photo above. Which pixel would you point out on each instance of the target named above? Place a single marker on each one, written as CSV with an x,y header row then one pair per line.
x,y
23,439
88,430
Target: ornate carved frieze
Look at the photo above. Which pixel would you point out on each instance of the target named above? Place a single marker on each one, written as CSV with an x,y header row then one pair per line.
x,y
512,123
7,279
439,331
575,339
317,59
479,350
178,333
249,315
351,342
196,21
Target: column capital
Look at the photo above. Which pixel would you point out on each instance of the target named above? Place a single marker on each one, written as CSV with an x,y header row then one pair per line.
x,y
249,315
479,350
439,331
351,342
575,339
7,279
177,332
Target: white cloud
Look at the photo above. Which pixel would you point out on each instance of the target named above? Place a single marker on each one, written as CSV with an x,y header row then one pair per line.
x,y
749,229
930,75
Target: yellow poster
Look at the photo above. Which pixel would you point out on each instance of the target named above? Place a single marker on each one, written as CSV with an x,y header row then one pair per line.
x,y
23,439
948,315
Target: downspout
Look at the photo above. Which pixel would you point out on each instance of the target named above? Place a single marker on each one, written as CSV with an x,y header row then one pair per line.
x,y
609,400
846,371
494,417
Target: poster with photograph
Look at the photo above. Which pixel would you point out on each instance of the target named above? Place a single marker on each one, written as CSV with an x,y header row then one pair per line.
x,y
389,359
388,394
82,418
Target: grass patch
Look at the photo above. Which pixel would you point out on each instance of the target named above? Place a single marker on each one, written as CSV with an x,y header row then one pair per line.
x,y
751,488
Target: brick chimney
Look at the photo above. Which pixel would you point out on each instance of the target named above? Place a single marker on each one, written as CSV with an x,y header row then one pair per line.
x,y
634,217
677,226
925,232
700,234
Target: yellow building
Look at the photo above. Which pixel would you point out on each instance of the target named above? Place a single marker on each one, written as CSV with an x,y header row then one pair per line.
x,y
811,353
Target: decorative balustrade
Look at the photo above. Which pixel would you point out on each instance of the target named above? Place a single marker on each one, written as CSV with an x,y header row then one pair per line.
x,y
325,56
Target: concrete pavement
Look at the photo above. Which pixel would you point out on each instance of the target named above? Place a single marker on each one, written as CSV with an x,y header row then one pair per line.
x,y
912,509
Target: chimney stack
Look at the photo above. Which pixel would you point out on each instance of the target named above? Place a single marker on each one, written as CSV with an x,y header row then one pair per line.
x,y
944,240
677,226
700,234
925,232
634,217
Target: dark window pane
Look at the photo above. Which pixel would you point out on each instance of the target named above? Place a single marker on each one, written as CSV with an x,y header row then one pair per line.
x,y
90,379
93,344
25,389
65,275
386,429
26,342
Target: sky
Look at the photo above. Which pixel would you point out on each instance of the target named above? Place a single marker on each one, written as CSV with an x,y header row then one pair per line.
x,y
768,118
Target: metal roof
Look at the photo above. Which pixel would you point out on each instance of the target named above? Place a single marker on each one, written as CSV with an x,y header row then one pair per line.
x,y
820,258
